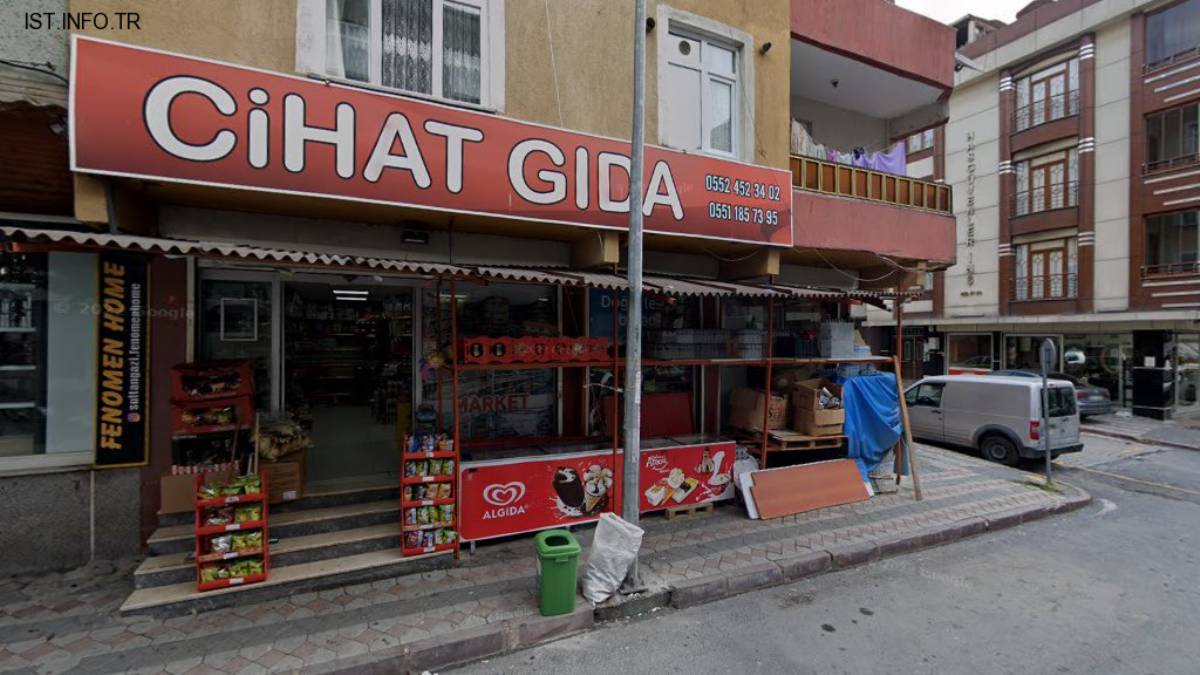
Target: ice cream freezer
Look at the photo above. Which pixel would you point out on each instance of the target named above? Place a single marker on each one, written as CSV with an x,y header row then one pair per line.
x,y
564,484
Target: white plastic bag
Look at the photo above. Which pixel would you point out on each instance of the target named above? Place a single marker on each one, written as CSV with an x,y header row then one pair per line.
x,y
614,549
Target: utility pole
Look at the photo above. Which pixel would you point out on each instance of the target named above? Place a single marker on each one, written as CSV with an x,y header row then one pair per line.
x,y
630,491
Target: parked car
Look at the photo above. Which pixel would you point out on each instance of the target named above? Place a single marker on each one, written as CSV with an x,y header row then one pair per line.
x,y
1092,400
997,415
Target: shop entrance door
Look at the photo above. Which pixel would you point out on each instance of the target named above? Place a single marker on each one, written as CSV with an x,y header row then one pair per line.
x,y
912,361
1187,375
348,375
236,321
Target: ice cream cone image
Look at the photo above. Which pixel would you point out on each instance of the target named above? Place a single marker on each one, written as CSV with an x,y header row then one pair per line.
x,y
595,490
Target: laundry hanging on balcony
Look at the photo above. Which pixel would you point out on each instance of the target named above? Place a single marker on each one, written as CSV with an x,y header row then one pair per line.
x,y
894,160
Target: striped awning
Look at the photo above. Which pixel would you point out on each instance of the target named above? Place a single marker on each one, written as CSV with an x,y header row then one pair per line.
x,y
654,283
214,249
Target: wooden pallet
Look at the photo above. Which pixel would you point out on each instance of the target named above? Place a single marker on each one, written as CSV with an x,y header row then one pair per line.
x,y
790,440
691,511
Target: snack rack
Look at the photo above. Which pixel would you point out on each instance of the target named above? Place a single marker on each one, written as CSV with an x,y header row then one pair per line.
x,y
206,533
428,495
210,400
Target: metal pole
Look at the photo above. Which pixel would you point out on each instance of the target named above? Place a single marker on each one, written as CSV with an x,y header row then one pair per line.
x,y
1048,356
1046,425
633,336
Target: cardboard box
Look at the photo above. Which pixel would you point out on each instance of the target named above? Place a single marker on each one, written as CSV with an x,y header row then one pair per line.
x,y
808,417
285,477
746,410
177,494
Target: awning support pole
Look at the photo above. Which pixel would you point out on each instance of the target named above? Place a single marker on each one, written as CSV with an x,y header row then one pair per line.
x,y
766,428
455,409
910,453
633,340
437,346
615,427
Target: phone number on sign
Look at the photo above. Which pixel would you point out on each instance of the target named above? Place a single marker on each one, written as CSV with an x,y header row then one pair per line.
x,y
743,214
741,188
746,189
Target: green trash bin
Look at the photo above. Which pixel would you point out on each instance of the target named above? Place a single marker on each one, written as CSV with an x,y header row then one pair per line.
x,y
558,560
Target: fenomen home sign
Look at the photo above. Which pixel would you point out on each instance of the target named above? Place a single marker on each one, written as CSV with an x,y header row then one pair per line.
x,y
149,114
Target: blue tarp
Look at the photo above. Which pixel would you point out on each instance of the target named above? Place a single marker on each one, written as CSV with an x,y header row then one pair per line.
x,y
872,418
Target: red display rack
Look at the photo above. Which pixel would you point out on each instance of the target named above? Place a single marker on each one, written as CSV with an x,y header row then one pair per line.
x,y
233,414
204,534
428,499
208,380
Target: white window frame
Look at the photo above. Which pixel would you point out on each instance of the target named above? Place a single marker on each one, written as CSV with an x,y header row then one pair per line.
x,y
672,20
311,57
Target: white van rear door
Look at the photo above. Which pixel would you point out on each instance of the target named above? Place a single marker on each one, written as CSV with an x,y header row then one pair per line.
x,y
1064,416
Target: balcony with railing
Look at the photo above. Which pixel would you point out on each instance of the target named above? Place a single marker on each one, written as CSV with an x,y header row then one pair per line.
x,y
842,180
1064,286
1056,107
854,100
1046,198
1171,163
1164,269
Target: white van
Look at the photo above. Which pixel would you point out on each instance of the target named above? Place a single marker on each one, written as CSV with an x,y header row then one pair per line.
x,y
999,416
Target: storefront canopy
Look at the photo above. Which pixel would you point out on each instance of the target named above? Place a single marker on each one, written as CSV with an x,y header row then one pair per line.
x,y
666,285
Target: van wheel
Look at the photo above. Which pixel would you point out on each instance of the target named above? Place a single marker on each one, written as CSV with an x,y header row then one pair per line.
x,y
999,449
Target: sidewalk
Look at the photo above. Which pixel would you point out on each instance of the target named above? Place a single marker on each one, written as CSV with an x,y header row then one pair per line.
x,y
1174,433
485,605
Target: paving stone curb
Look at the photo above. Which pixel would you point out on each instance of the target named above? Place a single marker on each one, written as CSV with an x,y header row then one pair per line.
x,y
1145,440
763,575
466,646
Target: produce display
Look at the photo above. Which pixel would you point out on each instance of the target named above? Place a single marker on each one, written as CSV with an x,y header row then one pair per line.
x,y
283,437
231,531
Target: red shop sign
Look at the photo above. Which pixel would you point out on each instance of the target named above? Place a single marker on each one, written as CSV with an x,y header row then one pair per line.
x,y
523,495
160,116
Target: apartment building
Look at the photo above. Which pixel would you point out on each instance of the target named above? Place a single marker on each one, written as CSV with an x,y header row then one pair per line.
x,y
1071,149
243,163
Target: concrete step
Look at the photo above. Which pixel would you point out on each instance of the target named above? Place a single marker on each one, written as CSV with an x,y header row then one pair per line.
x,y
181,538
373,491
175,568
180,598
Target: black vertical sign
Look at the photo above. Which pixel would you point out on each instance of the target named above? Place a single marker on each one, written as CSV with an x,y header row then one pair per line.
x,y
121,365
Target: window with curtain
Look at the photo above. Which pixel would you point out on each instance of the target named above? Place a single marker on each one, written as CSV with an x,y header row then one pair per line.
x,y
1171,242
1050,94
920,141
701,94
1046,270
1046,182
1171,137
431,47
1172,31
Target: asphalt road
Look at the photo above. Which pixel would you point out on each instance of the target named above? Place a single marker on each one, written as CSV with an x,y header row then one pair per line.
x,y
1112,588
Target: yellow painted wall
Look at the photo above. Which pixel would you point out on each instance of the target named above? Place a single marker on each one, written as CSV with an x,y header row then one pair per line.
x,y
592,44
259,33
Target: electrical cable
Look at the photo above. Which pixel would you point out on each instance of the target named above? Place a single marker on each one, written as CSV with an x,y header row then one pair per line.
x,y
553,63
43,68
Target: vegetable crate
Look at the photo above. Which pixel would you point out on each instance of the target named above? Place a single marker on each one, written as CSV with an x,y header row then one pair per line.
x,y
232,538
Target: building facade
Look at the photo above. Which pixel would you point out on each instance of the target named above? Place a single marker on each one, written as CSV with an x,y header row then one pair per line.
x,y
248,166
1069,148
